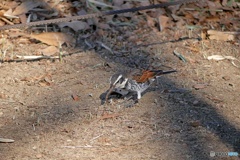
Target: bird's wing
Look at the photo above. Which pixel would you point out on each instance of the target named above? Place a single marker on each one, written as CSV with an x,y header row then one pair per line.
x,y
150,74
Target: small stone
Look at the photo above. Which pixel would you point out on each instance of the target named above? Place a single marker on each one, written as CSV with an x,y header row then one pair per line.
x,y
199,86
38,156
226,78
90,95
195,102
195,123
181,102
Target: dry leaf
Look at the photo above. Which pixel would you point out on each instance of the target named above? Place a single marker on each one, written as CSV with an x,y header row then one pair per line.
x,y
222,36
145,3
103,26
3,96
199,86
11,4
213,6
23,18
49,51
55,38
117,3
75,25
107,116
2,23
44,83
162,20
26,6
195,123
150,21
75,97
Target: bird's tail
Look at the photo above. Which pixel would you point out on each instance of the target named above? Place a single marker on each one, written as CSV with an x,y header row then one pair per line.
x,y
167,72
152,74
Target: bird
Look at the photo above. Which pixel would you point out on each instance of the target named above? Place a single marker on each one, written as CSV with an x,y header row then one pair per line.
x,y
134,82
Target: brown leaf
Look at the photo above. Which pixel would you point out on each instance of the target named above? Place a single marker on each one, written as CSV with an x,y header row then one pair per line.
x,y
3,96
55,38
107,116
222,36
44,83
49,51
150,21
117,3
162,20
26,6
103,26
75,25
213,6
199,86
11,4
23,18
75,97
195,123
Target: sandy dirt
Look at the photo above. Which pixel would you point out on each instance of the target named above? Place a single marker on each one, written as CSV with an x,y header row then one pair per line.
x,y
52,110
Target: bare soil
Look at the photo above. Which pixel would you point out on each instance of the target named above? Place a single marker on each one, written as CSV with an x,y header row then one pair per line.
x,y
52,110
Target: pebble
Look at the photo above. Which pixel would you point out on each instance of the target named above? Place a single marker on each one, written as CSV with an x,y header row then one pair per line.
x,y
39,156
195,102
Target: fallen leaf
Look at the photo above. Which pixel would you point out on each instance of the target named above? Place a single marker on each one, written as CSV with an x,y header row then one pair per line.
x,y
150,21
195,123
117,3
26,6
97,3
162,20
55,38
44,83
214,99
75,97
75,25
107,116
104,26
199,86
23,18
10,4
222,36
49,51
3,96
226,78
213,6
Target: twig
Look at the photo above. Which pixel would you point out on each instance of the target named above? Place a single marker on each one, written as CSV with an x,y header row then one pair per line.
x,y
36,57
179,56
96,137
7,21
86,146
107,116
104,46
4,140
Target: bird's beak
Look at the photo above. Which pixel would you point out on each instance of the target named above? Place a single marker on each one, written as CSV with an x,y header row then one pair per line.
x,y
109,91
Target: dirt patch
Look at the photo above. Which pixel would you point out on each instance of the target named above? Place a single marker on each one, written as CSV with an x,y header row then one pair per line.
x,y
53,109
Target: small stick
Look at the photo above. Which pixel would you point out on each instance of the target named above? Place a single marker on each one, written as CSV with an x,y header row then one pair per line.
x,y
87,146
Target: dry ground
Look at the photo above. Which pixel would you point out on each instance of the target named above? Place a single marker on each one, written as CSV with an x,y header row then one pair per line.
x,y
172,121
53,111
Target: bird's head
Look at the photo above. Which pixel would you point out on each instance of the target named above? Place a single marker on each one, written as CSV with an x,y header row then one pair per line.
x,y
118,81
